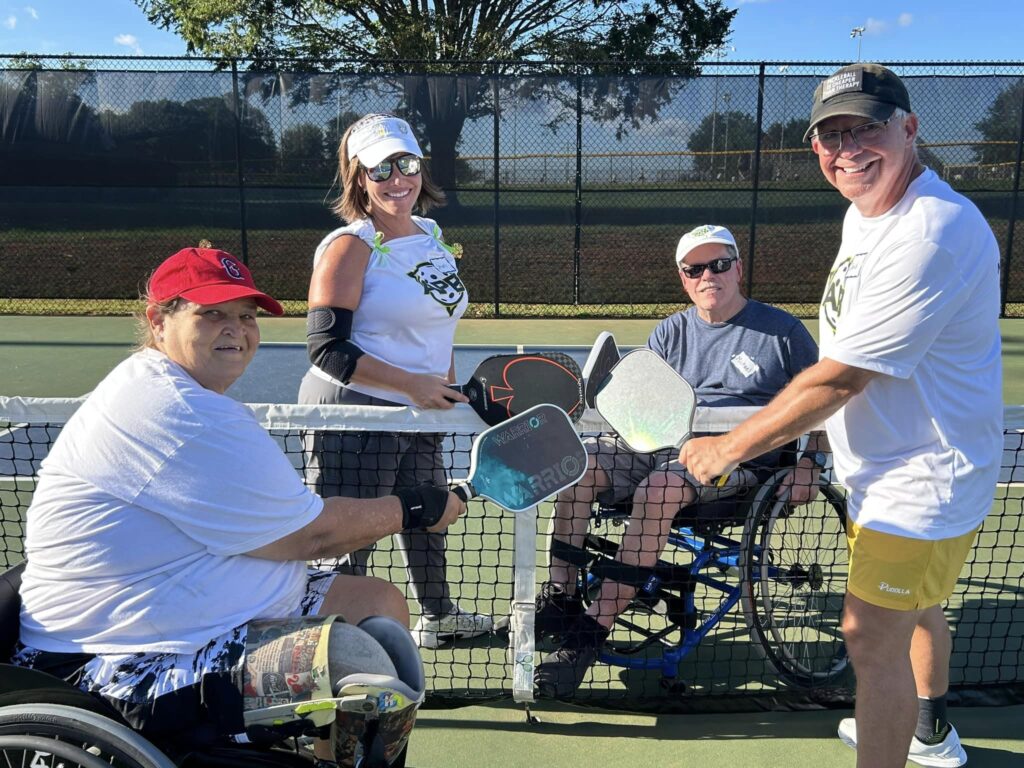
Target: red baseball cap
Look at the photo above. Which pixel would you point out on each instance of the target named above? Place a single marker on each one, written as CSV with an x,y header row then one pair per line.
x,y
206,276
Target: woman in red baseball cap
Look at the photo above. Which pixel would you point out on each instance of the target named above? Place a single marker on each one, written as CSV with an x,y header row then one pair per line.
x,y
166,519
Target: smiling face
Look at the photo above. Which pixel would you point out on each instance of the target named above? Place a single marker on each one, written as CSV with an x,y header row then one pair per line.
x,y
717,297
213,342
395,196
874,179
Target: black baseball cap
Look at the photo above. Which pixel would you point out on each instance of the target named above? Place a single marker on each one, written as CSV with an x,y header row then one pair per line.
x,y
865,90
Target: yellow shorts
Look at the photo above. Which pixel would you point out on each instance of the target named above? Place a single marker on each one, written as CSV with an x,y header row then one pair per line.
x,y
901,573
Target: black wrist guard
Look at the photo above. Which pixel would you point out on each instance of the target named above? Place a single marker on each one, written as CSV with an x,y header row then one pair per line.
x,y
422,506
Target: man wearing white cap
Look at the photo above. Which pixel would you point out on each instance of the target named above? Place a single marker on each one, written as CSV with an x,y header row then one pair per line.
x,y
734,352
910,383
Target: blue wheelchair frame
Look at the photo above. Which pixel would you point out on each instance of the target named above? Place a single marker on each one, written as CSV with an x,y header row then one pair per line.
x,y
712,550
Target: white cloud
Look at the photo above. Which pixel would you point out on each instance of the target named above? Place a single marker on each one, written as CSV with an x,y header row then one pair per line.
x,y
905,20
129,41
875,26
32,12
11,22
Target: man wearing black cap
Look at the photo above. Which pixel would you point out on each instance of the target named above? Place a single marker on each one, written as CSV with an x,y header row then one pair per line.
x,y
909,384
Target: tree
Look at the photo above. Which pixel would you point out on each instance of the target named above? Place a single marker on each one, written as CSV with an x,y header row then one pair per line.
x,y
718,138
1001,128
778,160
661,37
195,137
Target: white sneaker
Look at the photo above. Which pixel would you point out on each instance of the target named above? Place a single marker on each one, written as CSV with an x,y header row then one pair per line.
x,y
433,633
948,753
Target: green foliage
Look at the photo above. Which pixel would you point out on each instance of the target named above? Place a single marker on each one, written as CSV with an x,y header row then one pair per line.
x,y
648,39
1001,126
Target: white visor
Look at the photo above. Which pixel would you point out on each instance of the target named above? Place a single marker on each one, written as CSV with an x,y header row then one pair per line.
x,y
375,138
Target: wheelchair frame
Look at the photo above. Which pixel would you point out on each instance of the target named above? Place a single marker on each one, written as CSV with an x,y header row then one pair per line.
x,y
782,591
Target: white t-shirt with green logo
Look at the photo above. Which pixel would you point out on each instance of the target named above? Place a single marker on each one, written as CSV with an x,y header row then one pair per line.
x,y
914,294
412,299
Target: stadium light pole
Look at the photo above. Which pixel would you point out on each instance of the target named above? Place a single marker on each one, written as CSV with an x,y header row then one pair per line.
x,y
782,122
857,32
718,52
726,97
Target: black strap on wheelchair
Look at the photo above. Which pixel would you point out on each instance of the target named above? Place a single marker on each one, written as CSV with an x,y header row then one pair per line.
x,y
604,566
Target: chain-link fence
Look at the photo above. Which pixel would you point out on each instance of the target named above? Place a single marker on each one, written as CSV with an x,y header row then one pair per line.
x,y
568,191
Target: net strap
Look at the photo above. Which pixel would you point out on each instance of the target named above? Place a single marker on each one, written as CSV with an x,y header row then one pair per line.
x,y
524,606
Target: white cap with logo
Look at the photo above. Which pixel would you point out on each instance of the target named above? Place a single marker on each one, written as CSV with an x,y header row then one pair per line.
x,y
375,138
702,235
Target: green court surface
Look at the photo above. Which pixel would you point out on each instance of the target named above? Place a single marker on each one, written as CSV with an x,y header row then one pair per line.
x,y
53,357
570,737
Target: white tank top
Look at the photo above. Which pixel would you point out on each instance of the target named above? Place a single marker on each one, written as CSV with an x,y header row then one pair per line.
x,y
411,301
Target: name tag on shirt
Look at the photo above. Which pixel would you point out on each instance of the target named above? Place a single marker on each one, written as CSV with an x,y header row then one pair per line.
x,y
744,364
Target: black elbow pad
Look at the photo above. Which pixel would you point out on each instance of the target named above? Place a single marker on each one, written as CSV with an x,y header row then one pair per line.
x,y
327,342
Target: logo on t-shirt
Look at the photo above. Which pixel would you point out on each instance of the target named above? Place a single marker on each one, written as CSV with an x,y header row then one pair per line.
x,y
744,364
441,281
835,291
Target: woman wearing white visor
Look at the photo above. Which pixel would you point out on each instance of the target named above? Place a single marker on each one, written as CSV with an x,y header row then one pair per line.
x,y
384,300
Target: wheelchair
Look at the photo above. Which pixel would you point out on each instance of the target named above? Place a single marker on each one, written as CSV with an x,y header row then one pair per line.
x,y
46,722
784,566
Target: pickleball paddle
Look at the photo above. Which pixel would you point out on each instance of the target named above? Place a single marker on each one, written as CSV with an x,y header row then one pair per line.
x,y
525,459
602,358
648,403
503,386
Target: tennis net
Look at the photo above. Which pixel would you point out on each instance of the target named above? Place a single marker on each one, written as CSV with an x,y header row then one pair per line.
x,y
741,611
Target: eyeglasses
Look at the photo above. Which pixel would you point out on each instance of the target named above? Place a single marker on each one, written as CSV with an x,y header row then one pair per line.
x,y
866,135
409,165
717,267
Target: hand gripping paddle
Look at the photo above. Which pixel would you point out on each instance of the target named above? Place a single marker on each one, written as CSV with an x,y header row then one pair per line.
x,y
524,460
503,386
601,360
648,404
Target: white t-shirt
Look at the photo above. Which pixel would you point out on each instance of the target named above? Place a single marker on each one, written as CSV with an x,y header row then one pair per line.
x,y
412,299
145,505
914,294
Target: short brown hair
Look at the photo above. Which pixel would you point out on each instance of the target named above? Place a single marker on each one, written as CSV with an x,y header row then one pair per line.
x,y
352,203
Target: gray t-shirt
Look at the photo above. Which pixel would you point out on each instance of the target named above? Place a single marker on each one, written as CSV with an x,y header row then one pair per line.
x,y
743,361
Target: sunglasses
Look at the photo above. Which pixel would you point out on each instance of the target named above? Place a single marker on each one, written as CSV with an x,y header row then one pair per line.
x,y
409,165
717,267
866,135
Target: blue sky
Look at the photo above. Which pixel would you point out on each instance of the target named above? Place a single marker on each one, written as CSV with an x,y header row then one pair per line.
x,y
810,30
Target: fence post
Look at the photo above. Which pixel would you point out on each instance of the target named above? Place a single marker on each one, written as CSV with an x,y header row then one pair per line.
x,y
756,173
239,159
497,192
579,190
1013,210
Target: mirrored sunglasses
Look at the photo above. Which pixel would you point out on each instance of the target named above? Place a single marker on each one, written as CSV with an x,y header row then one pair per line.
x,y
717,267
409,165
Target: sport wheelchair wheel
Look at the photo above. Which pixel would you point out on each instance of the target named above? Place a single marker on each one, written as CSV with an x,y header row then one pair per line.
x,y
793,565
52,735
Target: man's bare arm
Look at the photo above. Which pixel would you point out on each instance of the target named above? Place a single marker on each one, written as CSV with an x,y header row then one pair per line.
x,y
805,403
